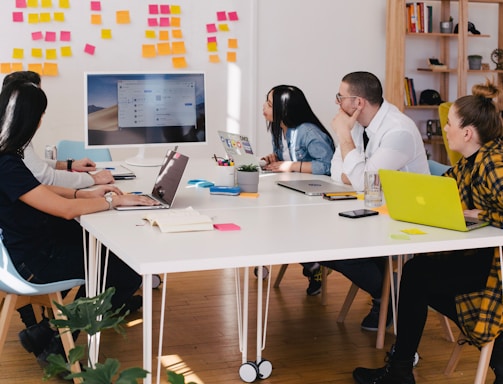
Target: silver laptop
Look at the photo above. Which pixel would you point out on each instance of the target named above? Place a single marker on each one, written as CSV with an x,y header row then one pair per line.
x,y
314,187
238,148
166,183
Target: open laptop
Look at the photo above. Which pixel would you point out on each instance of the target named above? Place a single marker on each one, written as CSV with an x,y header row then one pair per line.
x,y
314,187
238,148
425,199
166,183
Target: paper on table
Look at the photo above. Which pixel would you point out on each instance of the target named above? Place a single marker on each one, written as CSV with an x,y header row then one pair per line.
x,y
179,220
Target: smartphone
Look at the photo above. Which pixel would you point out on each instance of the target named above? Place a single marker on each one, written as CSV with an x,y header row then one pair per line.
x,y
339,197
358,213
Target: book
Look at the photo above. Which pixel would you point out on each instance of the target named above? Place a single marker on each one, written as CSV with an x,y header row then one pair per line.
x,y
179,220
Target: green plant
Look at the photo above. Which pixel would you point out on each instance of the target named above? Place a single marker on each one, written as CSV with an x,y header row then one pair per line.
x,y
92,315
177,378
248,168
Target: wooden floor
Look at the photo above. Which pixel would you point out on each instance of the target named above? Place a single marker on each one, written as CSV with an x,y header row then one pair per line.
x,y
304,342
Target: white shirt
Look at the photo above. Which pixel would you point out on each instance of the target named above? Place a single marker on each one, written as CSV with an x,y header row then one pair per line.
x,y
45,172
394,143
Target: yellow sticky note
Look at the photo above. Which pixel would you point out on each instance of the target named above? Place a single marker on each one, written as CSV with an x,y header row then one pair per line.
x,y
212,47
163,49
37,52
5,68
232,43
66,51
45,17
18,53
33,18
175,22
64,3
46,3
35,67
163,35
149,34
214,59
399,236
51,54
122,17
413,231
59,16
106,33
32,3
96,19
178,48
50,69
179,62
175,9
148,51
177,34
223,27
231,57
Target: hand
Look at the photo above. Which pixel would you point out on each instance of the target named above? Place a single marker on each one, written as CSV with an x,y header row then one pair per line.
x,y
342,123
473,213
270,158
103,177
280,166
99,191
83,165
131,200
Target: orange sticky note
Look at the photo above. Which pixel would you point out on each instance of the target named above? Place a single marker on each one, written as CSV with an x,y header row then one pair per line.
x,y
50,69
16,67
163,49
175,22
178,48
96,19
231,57
163,35
123,17
179,62
148,51
177,34
232,43
35,67
253,195
214,59
5,68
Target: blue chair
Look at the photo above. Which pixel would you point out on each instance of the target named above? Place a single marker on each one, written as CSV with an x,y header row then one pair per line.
x,y
68,149
436,168
13,286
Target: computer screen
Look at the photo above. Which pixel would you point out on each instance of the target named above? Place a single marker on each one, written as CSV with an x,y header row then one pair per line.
x,y
141,109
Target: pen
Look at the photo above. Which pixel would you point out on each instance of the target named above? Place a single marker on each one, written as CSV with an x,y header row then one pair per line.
x,y
110,168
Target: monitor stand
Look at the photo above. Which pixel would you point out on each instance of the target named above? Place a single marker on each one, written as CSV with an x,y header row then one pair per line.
x,y
141,161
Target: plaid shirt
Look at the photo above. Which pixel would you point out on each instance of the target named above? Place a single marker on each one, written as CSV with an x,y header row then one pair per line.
x,y
481,187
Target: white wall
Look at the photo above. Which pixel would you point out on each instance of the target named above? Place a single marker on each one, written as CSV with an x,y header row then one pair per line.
x,y
308,44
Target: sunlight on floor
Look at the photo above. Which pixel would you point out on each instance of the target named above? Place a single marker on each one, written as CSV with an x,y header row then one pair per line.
x,y
176,364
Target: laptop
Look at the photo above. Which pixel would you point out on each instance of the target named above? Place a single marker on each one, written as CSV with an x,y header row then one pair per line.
x,y
166,183
238,148
425,199
316,187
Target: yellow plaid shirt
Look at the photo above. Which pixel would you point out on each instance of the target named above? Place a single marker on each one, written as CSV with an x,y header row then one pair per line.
x,y
481,187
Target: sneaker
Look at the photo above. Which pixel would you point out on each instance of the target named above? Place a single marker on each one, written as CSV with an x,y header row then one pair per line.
x,y
36,338
371,321
315,281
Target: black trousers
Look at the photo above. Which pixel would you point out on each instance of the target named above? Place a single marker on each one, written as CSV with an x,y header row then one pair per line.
x,y
434,280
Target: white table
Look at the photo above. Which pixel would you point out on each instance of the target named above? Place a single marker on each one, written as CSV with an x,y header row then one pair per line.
x,y
279,227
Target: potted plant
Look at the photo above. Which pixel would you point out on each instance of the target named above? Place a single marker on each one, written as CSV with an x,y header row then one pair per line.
x,y
475,62
446,26
247,178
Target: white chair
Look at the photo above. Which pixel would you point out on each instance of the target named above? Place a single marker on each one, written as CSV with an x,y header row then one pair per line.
x,y
13,286
68,149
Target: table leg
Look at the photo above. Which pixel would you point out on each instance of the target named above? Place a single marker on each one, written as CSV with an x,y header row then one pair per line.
x,y
147,327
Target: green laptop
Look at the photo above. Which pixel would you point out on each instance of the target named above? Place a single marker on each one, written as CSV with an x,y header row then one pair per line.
x,y
425,199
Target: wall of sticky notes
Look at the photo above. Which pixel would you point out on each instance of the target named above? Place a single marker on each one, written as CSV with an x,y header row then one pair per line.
x,y
244,46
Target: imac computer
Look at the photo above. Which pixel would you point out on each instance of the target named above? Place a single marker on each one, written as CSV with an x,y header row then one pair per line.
x,y
144,109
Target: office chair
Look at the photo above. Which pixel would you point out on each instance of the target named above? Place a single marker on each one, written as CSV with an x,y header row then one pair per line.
x,y
443,110
68,149
14,287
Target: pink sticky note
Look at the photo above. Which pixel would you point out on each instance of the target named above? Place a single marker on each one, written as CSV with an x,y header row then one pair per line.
x,y
20,3
95,5
65,35
37,35
221,16
233,16
89,49
212,39
153,9
164,21
17,17
211,28
152,22
164,9
50,36
227,227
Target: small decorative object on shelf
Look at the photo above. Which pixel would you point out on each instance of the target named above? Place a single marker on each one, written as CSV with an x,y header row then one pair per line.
x,y
474,62
471,28
446,26
436,65
497,58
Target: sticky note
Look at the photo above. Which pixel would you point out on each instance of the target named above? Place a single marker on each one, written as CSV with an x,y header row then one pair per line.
x,y
231,57
214,59
399,236
164,21
96,6
177,34
64,4
153,9
232,43
37,35
17,17
152,22
179,62
226,227
175,22
223,27
35,67
211,28
122,17
178,48
66,51
59,16
176,9
149,34
163,35
413,231
96,19
51,54
45,17
20,3
164,9
37,52
212,47
233,16
212,39
163,49
89,49
32,3
221,16
46,4
106,33
17,67
50,36
33,18
65,35
249,194
50,69
17,53
5,68
148,50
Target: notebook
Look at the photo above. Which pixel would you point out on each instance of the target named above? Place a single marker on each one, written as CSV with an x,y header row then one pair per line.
x,y
425,199
238,148
315,187
166,183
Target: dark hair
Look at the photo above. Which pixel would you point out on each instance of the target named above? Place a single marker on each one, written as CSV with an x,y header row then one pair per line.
x,y
24,76
21,108
366,85
290,107
479,111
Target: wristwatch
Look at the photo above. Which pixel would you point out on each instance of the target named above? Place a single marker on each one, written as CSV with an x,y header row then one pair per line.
x,y
69,163
108,198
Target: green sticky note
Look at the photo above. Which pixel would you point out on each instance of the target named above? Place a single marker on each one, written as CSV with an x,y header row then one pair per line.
x,y
399,236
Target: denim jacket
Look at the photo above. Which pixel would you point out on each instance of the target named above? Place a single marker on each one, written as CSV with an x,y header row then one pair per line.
x,y
308,143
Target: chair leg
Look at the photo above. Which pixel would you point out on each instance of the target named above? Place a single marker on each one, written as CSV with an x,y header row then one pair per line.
x,y
454,359
347,303
324,285
444,323
383,313
8,307
485,358
65,334
281,272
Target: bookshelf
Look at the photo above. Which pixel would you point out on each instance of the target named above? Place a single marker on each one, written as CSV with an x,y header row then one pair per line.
x,y
451,49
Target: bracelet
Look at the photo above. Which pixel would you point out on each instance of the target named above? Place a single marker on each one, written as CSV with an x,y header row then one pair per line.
x,y
69,163
75,193
300,169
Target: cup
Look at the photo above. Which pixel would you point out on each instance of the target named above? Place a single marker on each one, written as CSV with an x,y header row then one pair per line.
x,y
372,189
225,176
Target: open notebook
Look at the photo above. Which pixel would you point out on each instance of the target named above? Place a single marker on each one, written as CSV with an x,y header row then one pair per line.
x,y
425,199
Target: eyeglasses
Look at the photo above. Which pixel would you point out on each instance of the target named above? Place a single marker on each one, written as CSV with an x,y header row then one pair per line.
x,y
339,98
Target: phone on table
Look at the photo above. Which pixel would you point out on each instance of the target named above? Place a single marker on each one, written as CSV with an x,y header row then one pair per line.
x,y
338,197
357,213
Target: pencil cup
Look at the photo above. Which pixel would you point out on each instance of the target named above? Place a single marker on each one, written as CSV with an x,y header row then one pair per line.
x,y
372,189
225,176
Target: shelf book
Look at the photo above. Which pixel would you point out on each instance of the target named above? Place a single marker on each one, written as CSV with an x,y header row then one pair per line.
x,y
419,17
410,92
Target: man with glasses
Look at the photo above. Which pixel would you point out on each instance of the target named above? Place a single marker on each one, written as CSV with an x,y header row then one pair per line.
x,y
393,142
